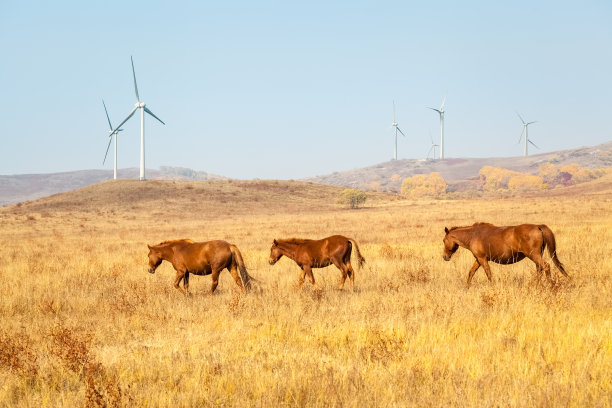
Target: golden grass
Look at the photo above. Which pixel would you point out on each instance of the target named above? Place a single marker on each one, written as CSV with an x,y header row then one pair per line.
x,y
83,323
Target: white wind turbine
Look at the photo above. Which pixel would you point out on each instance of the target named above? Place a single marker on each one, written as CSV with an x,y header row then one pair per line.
x,y
433,147
441,113
110,137
526,133
397,129
143,108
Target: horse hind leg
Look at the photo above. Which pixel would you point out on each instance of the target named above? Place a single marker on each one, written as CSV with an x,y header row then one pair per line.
x,y
215,281
351,274
234,272
542,265
343,270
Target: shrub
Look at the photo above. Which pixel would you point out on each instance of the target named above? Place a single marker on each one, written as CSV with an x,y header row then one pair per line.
x,y
352,197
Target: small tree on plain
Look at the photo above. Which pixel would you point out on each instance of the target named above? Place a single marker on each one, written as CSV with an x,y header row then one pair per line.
x,y
352,197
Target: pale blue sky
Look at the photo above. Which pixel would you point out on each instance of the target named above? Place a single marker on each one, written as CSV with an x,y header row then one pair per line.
x,y
277,89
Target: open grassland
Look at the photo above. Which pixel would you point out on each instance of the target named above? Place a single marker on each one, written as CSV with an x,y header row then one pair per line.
x,y
84,324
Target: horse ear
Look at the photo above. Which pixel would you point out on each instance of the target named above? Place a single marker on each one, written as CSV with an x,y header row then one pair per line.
x,y
275,242
149,246
446,230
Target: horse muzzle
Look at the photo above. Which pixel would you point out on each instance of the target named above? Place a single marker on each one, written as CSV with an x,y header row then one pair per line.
x,y
151,270
271,261
446,257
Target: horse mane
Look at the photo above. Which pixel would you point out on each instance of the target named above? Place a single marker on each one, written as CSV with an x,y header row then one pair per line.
x,y
482,224
175,241
297,241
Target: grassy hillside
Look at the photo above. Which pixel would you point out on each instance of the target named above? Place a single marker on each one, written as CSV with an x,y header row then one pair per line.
x,y
85,324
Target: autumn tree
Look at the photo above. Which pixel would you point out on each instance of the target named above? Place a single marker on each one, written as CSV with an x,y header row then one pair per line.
x,y
421,186
526,183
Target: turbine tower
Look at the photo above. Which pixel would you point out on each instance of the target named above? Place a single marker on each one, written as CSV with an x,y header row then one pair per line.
x,y
110,137
526,132
441,113
397,129
143,108
433,147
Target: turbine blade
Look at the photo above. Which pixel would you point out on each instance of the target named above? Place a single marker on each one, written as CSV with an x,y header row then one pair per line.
x,y
125,120
399,130
443,101
109,122
535,121
520,118
134,73
110,139
534,145
151,113
393,111
434,109
522,133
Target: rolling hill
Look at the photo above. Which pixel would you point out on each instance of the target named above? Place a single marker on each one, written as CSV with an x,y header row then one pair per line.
x,y
387,176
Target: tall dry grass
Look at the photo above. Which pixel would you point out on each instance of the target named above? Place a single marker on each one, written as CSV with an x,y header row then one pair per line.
x,y
83,324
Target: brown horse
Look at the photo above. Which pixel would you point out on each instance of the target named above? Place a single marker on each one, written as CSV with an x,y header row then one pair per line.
x,y
309,253
200,258
503,245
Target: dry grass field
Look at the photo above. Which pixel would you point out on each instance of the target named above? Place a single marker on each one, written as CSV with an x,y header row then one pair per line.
x,y
84,324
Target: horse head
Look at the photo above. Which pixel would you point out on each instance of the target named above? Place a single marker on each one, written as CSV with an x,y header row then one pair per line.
x,y
155,259
275,253
450,245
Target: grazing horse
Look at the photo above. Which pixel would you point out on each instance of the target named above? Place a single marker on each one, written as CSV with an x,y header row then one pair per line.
x,y
200,258
309,253
503,245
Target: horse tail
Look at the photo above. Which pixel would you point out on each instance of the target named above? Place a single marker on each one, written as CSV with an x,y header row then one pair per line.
x,y
360,257
244,275
550,242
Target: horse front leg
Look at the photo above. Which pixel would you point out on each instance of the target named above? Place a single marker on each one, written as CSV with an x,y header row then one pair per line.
x,y
472,272
308,271
180,275
186,283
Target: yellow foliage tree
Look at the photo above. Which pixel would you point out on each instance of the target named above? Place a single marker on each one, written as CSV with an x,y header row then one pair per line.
x,y
421,186
496,179
526,183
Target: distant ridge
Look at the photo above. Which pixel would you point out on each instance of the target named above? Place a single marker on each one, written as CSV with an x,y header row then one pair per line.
x,y
25,187
388,176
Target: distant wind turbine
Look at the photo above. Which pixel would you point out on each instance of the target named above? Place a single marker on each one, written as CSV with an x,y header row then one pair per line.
x,y
143,108
397,129
441,113
432,148
526,133
110,139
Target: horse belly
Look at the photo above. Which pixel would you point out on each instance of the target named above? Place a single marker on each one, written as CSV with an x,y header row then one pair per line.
x,y
508,258
201,270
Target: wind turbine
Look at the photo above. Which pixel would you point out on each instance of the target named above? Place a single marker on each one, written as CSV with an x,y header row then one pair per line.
x,y
143,108
110,137
397,129
433,147
441,113
526,132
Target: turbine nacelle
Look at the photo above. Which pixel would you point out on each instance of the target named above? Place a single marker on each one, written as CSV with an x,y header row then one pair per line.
x,y
139,105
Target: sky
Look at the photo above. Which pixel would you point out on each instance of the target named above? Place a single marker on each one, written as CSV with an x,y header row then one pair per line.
x,y
286,90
